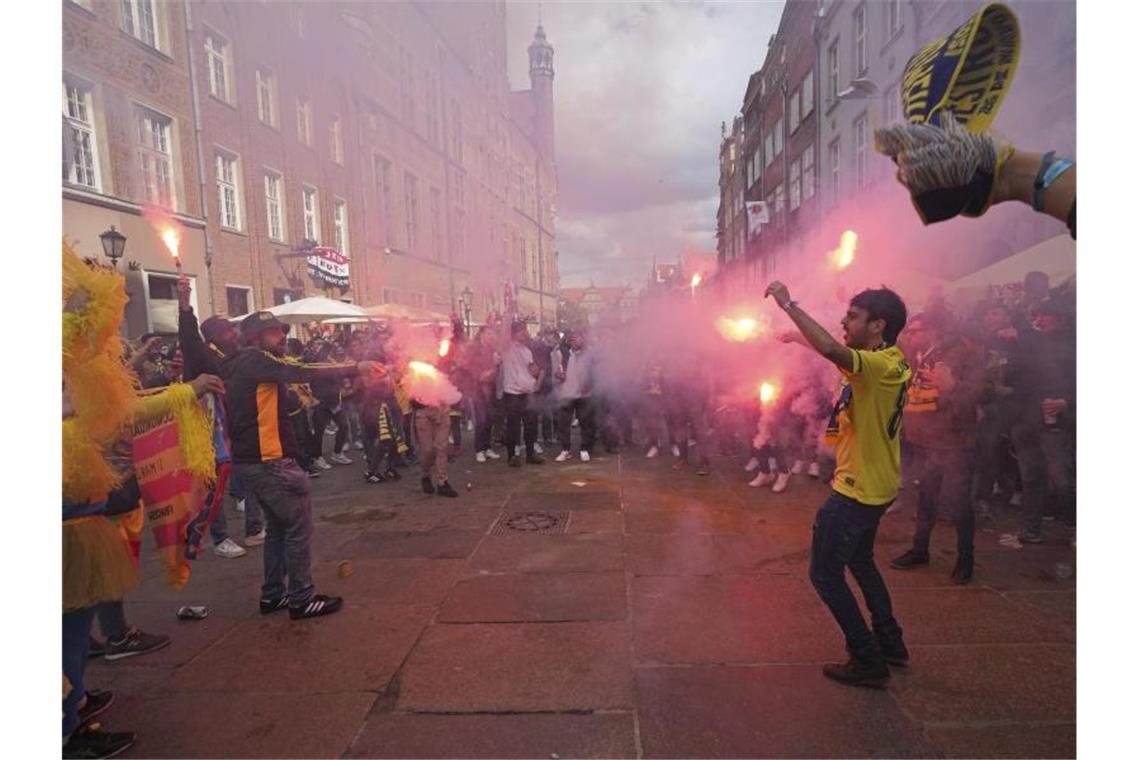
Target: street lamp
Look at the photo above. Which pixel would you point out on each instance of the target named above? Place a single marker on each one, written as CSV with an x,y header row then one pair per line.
x,y
113,244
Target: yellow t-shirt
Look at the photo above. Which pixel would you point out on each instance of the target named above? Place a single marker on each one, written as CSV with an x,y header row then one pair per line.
x,y
865,424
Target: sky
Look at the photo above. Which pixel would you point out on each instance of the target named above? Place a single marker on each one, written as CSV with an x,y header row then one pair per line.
x,y
640,91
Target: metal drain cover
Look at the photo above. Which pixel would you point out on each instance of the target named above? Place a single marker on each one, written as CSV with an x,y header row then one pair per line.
x,y
532,522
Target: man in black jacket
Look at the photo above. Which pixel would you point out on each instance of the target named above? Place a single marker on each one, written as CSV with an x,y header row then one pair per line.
x,y
265,454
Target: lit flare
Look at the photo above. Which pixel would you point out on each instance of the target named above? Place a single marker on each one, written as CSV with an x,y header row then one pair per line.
x,y
769,392
738,330
840,258
444,347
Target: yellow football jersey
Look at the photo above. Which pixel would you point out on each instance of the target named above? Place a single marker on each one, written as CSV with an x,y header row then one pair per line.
x,y
865,426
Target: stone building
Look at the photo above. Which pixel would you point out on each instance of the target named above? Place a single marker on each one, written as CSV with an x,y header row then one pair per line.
x,y
380,143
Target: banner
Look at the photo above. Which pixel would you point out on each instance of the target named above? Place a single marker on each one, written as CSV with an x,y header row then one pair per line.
x,y
757,215
329,266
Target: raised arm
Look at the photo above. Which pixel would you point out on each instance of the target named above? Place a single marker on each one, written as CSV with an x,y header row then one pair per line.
x,y
813,332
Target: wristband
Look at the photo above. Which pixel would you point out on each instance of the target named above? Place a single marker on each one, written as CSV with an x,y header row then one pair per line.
x,y
789,305
1047,174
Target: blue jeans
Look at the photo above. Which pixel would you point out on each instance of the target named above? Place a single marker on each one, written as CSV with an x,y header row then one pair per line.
x,y
112,620
76,638
843,537
282,488
254,514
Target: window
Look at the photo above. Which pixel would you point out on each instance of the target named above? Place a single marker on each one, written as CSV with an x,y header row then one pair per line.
x,y
833,70
340,225
237,300
807,161
229,199
749,175
383,170
436,223
860,131
336,145
807,95
778,137
778,196
833,164
860,40
297,19
794,184
266,97
274,215
154,153
892,105
769,154
411,210
894,17
218,66
80,164
794,111
139,21
431,100
407,95
311,207
304,121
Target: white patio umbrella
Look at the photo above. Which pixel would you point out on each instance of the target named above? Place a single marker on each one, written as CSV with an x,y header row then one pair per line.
x,y
314,309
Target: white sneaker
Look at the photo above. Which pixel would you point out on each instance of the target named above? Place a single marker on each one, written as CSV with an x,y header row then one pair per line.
x,y
781,482
537,448
339,459
798,467
257,539
331,429
320,462
584,456
241,505
480,457
753,463
470,426
653,452
562,457
518,451
491,454
763,479
676,450
229,549
1015,500
692,441
358,445
813,470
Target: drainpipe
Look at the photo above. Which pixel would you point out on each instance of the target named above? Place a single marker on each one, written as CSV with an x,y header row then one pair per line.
x,y
196,108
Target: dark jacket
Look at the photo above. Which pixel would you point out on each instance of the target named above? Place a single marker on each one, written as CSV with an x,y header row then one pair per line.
x,y
198,356
936,418
257,405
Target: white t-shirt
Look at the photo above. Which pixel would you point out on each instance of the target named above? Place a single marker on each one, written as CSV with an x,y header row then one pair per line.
x,y
517,379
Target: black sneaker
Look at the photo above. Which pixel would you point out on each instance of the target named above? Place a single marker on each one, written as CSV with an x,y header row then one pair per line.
x,y
963,570
534,459
445,489
894,651
314,471
269,606
427,485
910,558
703,468
372,477
514,461
856,672
1026,537
95,647
316,607
135,643
91,741
97,703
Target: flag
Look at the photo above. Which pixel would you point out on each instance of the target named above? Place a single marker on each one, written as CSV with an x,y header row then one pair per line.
x,y
757,215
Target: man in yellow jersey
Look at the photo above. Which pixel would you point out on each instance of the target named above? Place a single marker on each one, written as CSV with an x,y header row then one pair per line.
x,y
866,423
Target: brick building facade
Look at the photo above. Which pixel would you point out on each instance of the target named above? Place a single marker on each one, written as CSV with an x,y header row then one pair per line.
x,y
385,131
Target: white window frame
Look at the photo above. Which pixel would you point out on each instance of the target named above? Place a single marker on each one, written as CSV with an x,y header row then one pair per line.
x,y
227,176
859,131
79,120
807,162
311,213
793,108
859,25
778,137
219,69
769,154
834,156
336,142
894,18
382,169
275,206
892,105
266,96
133,15
794,184
250,306
304,121
807,95
340,225
435,202
833,70
155,152
411,210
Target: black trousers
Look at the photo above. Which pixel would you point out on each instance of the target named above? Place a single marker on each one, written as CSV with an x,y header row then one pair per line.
x,y
584,408
519,413
944,480
484,403
321,418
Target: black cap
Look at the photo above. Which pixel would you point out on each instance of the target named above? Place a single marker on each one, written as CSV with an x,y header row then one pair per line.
x,y
258,322
214,326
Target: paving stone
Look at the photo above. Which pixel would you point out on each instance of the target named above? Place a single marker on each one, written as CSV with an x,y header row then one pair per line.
x,y
230,724
444,544
188,639
768,711
577,501
358,648
704,554
1058,606
594,521
519,667
400,582
1025,682
731,619
692,519
971,616
494,736
536,597
1006,740
433,517
582,552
